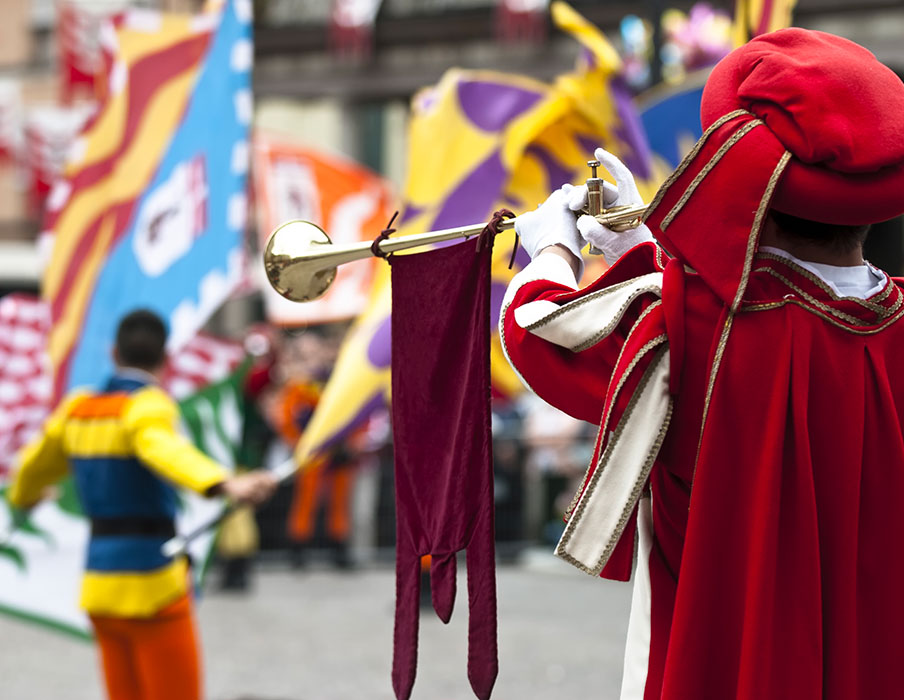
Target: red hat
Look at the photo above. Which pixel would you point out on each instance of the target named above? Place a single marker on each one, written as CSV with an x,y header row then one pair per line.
x,y
803,121
835,108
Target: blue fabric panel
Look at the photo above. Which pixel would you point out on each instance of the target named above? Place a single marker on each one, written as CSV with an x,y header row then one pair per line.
x,y
123,383
124,553
111,487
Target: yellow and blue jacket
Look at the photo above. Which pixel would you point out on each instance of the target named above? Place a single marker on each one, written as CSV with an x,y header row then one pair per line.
x,y
126,457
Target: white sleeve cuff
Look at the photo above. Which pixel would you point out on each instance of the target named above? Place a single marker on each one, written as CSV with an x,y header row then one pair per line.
x,y
546,266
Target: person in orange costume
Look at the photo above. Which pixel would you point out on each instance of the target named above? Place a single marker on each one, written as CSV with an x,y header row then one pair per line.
x,y
122,447
327,479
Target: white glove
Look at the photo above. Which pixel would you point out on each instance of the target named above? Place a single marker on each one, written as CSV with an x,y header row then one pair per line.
x,y
552,223
613,244
577,199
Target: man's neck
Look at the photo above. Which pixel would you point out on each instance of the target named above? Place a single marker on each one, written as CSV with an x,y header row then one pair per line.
x,y
151,377
811,251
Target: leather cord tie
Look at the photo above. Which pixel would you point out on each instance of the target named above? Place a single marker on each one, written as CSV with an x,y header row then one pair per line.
x,y
384,235
491,230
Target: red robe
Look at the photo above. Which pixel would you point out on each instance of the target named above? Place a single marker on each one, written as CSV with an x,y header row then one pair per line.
x,y
779,486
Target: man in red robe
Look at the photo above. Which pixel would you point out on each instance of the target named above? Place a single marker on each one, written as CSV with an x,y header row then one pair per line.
x,y
742,361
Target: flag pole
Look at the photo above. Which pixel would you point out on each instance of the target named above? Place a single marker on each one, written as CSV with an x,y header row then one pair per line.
x,y
179,544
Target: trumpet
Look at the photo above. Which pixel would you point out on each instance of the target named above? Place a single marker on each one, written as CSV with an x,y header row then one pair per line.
x,y
300,259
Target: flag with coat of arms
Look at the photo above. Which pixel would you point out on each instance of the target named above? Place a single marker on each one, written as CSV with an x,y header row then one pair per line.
x,y
152,207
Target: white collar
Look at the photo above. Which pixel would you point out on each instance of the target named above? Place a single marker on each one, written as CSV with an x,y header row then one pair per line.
x,y
860,281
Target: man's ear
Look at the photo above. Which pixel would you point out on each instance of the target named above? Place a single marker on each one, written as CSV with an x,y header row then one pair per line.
x,y
117,360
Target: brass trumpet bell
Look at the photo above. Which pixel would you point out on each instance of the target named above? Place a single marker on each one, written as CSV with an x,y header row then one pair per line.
x,y
292,263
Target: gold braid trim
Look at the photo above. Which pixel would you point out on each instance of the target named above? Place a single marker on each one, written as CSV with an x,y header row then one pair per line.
x,y
717,361
713,162
638,485
607,415
597,337
572,305
634,360
883,311
688,159
580,492
757,225
853,320
768,306
660,263
898,302
883,295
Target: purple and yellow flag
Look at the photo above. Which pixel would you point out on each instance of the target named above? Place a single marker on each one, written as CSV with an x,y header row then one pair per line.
x,y
755,17
151,211
479,141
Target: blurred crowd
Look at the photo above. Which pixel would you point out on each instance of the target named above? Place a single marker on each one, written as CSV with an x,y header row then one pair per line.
x,y
338,510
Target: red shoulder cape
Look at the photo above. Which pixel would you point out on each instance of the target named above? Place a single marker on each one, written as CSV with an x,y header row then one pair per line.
x,y
789,584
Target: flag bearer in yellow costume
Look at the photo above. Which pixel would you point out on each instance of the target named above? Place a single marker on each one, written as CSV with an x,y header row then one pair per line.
x,y
122,446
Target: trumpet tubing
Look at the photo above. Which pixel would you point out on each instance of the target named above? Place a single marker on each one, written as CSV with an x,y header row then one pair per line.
x,y
301,261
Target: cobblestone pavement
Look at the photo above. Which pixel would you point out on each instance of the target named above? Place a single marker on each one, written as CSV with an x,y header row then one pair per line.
x,y
326,635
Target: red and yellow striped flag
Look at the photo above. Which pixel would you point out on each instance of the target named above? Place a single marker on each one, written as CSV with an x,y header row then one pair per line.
x,y
122,148
150,211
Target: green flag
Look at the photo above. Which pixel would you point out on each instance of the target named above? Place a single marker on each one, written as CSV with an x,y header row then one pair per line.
x,y
214,417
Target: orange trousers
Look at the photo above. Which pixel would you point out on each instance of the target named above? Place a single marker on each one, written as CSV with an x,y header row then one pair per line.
x,y
155,658
316,484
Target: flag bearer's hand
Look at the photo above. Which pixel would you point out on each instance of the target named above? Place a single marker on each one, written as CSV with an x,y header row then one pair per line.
x,y
252,487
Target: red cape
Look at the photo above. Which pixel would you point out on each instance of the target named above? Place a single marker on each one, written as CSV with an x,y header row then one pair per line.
x,y
788,587
770,570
